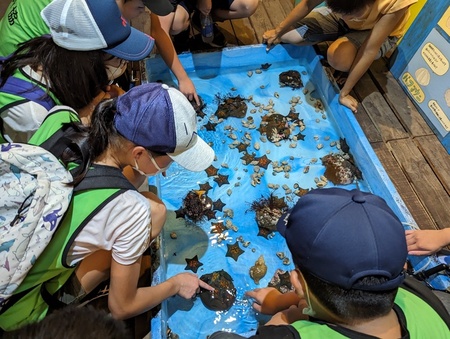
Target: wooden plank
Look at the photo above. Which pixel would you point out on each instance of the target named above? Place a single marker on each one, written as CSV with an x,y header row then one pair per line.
x,y
260,21
437,157
404,188
277,10
244,32
379,110
423,180
403,107
367,125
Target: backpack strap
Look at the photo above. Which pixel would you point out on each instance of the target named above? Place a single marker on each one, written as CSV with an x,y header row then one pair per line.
x,y
426,294
28,90
100,176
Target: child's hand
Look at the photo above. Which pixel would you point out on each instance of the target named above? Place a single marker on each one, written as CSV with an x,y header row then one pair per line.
x,y
349,101
426,242
286,317
269,38
265,299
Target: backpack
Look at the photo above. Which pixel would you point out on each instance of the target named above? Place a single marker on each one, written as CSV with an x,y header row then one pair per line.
x,y
33,199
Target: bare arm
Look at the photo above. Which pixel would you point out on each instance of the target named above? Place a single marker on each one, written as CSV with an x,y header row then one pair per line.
x,y
160,28
269,300
367,53
126,300
158,213
298,13
425,242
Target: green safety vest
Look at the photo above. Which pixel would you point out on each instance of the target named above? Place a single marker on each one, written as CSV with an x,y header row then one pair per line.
x,y
422,321
8,100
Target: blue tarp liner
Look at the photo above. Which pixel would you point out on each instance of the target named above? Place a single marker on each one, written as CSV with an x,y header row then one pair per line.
x,y
240,72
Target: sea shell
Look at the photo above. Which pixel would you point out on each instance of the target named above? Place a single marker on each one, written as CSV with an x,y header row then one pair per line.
x,y
259,270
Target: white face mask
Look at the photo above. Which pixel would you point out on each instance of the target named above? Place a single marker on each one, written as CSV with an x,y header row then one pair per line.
x,y
159,169
114,72
308,310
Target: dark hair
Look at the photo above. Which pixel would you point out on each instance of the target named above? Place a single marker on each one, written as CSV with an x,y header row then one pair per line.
x,y
348,6
72,323
75,77
352,306
89,142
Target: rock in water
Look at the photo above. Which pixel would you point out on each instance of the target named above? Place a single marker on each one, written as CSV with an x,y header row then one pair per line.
x,y
224,295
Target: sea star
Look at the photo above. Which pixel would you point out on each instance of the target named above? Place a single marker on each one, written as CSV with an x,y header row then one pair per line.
x,y
193,264
206,186
218,205
211,171
210,214
221,179
234,251
179,213
248,158
218,227
264,232
300,136
292,116
242,147
263,161
210,126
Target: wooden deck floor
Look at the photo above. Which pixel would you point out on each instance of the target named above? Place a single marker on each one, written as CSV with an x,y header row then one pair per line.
x,y
413,157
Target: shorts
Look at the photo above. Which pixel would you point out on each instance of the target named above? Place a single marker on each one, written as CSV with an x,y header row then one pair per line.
x,y
191,5
323,25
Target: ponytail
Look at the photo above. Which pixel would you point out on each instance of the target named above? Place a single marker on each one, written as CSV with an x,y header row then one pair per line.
x,y
89,142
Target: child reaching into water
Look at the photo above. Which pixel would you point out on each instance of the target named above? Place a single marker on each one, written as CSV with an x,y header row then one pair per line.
x,y
361,31
147,128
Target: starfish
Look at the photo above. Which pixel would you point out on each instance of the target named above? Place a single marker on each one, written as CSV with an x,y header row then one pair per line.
x,y
218,205
210,214
293,116
211,171
210,126
264,232
234,251
218,227
263,161
205,187
242,147
193,264
300,136
221,179
179,213
200,114
248,158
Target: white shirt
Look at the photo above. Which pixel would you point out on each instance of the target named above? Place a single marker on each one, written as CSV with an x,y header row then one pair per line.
x,y
122,227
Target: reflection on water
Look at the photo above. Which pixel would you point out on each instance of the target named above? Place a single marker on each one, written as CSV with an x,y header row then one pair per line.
x,y
294,165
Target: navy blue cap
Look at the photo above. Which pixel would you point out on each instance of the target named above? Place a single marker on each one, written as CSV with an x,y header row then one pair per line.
x,y
343,235
161,119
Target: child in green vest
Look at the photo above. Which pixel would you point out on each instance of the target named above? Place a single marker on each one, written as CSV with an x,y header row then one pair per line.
x,y
148,128
349,250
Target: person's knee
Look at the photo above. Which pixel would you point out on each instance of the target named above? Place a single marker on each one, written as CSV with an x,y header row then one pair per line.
x,y
245,8
340,55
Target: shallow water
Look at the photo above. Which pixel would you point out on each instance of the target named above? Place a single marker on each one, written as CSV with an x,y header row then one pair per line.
x,y
190,318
